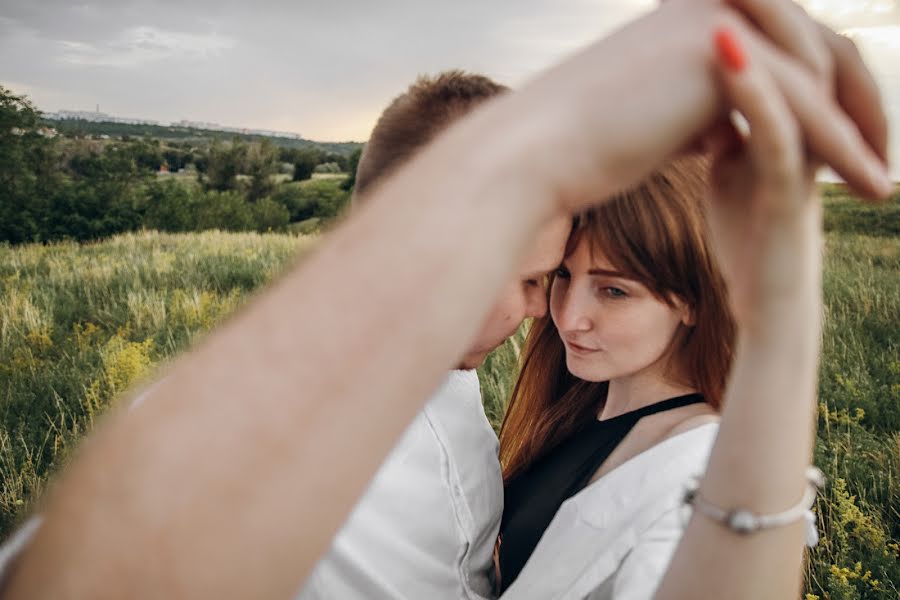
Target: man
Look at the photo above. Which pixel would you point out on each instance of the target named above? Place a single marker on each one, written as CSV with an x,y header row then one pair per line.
x,y
427,524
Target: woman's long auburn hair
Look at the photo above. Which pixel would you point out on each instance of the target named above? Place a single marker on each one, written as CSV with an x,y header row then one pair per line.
x,y
656,234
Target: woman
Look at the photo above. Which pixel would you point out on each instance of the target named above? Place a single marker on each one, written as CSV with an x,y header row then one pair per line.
x,y
636,350
615,410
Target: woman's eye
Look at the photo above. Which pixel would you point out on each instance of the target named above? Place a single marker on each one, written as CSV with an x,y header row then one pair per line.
x,y
614,292
561,272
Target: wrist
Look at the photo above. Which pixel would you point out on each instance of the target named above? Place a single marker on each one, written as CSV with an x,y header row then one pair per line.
x,y
510,169
785,283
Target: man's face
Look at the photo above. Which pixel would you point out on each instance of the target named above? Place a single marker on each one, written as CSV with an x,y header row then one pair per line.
x,y
523,297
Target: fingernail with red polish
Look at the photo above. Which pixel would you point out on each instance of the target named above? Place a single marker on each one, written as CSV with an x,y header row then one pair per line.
x,y
730,50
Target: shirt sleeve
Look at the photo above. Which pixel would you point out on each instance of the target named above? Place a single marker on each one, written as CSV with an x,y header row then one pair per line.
x,y
15,544
12,548
642,569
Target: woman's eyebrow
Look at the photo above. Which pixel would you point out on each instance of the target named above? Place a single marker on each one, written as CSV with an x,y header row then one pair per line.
x,y
607,273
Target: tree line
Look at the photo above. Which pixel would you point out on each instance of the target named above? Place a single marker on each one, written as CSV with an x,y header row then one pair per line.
x,y
195,135
79,187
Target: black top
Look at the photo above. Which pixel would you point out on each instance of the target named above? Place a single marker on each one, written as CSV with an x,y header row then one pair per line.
x,y
532,498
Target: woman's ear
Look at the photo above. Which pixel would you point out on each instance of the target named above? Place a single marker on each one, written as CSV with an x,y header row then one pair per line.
x,y
688,316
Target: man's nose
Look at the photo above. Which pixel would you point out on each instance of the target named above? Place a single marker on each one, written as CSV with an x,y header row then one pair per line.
x,y
536,303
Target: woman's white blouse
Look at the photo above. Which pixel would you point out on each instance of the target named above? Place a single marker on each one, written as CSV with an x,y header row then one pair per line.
x,y
615,538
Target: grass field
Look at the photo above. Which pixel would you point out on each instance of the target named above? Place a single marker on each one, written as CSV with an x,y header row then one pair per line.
x,y
81,324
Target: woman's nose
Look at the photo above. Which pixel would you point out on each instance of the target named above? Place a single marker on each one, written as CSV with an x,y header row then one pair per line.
x,y
572,314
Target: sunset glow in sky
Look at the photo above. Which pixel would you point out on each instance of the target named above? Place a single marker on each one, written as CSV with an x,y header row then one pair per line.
x,y
327,70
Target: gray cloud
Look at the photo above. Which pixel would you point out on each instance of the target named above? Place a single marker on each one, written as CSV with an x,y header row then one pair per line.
x,y
323,69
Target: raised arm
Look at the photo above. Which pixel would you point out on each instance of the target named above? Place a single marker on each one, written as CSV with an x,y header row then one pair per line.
x,y
765,218
273,426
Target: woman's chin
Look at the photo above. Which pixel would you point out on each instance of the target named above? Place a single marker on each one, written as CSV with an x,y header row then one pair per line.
x,y
583,370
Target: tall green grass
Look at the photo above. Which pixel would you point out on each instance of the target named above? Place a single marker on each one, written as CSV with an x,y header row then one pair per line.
x,y
81,324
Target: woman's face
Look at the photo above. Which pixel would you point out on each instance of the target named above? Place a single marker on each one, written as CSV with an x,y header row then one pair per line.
x,y
612,327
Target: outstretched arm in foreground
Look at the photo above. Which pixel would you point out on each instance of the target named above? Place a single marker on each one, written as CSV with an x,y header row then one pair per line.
x,y
271,429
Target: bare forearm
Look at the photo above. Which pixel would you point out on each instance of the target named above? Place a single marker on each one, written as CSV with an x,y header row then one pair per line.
x,y
764,445
767,427
289,408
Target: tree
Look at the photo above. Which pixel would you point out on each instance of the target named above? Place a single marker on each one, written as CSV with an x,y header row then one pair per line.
x,y
352,165
169,207
147,154
305,162
262,164
270,215
27,171
341,160
224,163
321,198
223,210
176,159
287,155
201,162
101,194
327,167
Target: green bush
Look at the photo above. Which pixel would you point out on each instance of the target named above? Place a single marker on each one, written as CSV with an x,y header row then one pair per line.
x,y
306,227
169,207
322,198
270,215
227,211
328,167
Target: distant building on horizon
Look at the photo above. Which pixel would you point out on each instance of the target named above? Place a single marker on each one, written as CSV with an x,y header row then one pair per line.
x,y
242,130
100,117
97,117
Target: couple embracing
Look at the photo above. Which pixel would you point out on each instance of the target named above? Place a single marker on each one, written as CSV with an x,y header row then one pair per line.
x,y
676,303
624,372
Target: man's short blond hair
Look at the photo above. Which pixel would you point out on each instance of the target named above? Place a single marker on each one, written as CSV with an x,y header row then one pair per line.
x,y
415,117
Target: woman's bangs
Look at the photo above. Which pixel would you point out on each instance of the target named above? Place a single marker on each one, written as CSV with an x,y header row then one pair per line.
x,y
611,237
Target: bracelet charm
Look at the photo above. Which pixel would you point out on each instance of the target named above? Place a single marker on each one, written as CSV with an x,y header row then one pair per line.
x,y
746,522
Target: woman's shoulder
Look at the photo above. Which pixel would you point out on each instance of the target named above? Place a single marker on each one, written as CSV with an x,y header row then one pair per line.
x,y
656,475
653,430
692,423
686,443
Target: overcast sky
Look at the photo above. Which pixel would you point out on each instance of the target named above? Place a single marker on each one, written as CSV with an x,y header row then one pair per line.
x,y
322,69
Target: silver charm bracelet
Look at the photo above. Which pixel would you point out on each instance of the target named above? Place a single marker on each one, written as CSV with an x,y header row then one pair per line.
x,y
745,522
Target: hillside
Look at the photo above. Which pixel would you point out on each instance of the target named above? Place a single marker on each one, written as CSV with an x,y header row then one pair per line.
x,y
81,127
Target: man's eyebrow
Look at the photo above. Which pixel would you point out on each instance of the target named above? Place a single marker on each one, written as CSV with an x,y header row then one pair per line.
x,y
541,271
536,274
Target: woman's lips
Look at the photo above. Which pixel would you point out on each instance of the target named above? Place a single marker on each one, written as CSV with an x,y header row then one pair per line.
x,y
579,349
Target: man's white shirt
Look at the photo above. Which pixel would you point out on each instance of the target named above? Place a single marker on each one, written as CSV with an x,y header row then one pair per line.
x,y
426,526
